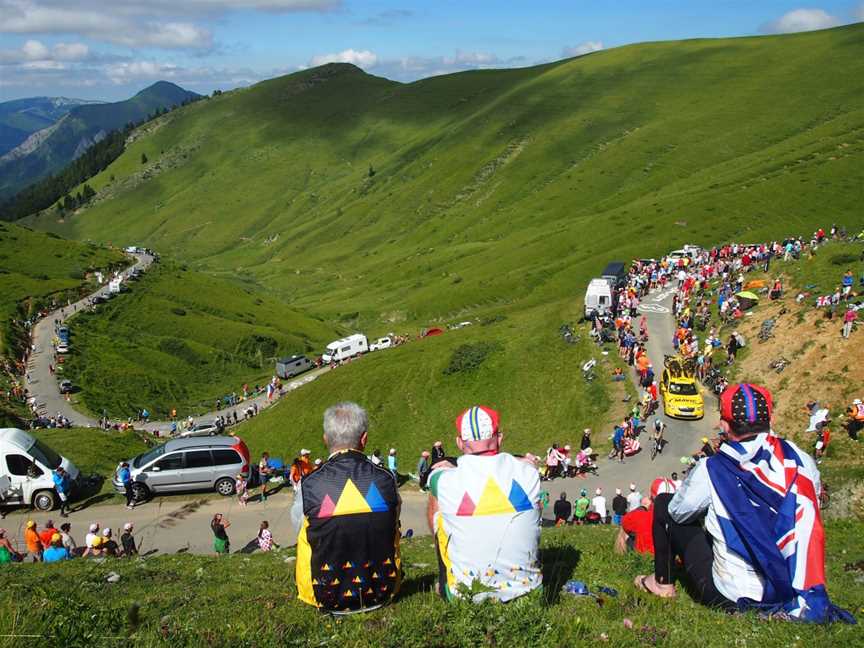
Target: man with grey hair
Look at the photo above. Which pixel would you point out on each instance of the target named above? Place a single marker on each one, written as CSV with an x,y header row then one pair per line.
x,y
347,517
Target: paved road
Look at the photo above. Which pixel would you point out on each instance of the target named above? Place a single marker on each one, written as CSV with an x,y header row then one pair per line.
x,y
682,437
44,386
171,524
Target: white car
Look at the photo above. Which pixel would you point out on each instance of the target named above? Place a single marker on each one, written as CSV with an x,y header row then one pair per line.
x,y
381,343
62,348
200,429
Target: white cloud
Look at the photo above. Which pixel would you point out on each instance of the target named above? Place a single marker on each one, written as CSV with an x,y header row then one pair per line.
x,y
858,12
801,20
360,58
34,51
582,48
71,51
164,24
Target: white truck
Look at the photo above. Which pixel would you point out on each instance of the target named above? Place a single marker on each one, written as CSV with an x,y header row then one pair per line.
x,y
349,347
26,467
598,297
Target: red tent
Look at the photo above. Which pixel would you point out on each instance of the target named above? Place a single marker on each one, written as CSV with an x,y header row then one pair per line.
x,y
433,331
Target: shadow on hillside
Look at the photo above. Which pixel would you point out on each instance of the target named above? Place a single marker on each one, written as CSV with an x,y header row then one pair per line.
x,y
558,565
419,585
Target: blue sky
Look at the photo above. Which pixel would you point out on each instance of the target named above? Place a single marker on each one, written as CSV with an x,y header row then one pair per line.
x,y
109,49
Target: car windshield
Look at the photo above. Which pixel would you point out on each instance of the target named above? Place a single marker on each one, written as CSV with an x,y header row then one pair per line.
x,y
44,455
147,457
685,389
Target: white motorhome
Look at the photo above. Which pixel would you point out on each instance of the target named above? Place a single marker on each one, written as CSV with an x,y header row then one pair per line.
x,y
349,347
598,297
27,465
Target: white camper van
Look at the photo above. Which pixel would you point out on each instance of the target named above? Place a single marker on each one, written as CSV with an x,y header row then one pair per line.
x,y
598,297
26,466
348,347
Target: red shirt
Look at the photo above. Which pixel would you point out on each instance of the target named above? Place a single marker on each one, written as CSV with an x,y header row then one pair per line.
x,y
639,523
45,536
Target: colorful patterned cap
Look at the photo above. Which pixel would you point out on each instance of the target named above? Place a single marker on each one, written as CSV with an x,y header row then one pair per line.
x,y
746,403
477,423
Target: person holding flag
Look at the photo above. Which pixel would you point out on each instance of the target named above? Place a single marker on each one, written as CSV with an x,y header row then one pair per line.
x,y
763,544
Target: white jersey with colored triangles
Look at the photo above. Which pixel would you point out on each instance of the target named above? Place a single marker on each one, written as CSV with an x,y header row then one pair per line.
x,y
488,526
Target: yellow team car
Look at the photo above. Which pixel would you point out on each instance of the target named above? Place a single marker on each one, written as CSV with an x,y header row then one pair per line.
x,y
680,391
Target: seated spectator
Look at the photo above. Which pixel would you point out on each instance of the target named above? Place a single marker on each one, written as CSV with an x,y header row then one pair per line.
x,y
582,506
754,495
563,510
109,545
347,512
619,507
636,533
8,553
55,552
485,514
128,541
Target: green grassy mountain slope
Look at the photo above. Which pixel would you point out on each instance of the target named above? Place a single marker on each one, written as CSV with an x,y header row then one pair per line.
x,y
79,129
180,339
500,184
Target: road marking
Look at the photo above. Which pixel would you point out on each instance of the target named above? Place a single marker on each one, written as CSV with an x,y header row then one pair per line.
x,y
653,308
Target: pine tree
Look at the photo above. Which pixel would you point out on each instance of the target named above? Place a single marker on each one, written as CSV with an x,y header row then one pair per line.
x,y
143,158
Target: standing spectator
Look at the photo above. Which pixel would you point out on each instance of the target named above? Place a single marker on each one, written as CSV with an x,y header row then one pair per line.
x,y
55,551
586,439
265,537
347,513
562,510
619,507
731,349
848,320
127,540
485,512
241,487
423,467
391,462
61,485
375,458
125,477
264,474
32,541
218,525
634,498
598,503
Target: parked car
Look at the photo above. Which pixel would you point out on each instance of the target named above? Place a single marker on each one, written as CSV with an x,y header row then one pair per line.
x,y
62,348
66,387
381,343
200,429
183,465
26,464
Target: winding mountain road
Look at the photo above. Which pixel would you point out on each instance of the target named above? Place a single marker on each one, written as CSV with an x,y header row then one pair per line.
x,y
177,524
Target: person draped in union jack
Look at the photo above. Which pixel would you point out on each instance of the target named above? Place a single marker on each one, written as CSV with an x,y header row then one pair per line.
x,y
763,544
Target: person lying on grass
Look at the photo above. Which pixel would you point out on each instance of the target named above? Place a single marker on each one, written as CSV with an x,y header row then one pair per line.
x,y
763,544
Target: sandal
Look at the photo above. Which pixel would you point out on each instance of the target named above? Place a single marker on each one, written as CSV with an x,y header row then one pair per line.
x,y
649,585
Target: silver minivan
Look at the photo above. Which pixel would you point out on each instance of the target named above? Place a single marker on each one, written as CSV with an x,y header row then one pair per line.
x,y
191,464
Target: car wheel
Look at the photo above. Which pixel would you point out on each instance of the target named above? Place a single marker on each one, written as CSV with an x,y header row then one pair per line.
x,y
225,486
140,493
44,500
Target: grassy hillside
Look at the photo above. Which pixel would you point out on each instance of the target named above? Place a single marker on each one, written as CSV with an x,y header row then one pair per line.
x,y
188,600
500,184
37,269
393,206
20,118
80,128
180,339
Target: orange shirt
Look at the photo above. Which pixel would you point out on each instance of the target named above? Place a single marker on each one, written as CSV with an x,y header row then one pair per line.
x,y
45,536
31,539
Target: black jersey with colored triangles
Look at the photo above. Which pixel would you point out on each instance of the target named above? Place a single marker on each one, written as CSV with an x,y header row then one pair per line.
x,y
348,547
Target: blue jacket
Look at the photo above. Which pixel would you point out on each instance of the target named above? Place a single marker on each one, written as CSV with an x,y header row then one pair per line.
x,y
61,483
124,475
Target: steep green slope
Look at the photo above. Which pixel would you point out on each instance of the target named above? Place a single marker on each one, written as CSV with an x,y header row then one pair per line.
x,y
20,118
500,184
181,339
79,129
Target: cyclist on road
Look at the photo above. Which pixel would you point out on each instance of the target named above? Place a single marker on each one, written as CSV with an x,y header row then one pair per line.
x,y
659,429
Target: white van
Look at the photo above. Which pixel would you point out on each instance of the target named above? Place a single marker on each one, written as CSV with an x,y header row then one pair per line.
x,y
348,347
28,464
598,297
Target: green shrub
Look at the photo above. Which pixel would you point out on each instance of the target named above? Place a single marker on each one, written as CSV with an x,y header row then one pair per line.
x,y
178,311
468,357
